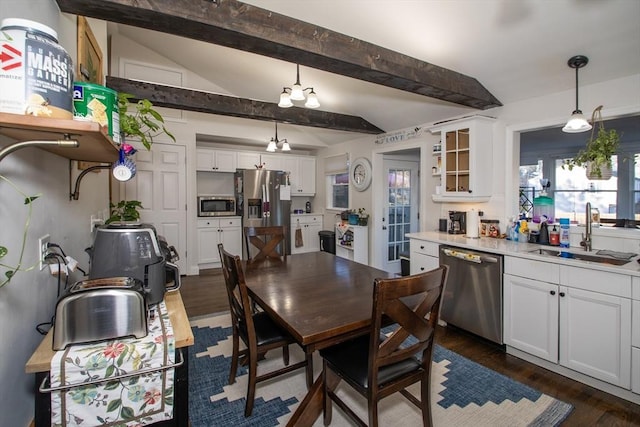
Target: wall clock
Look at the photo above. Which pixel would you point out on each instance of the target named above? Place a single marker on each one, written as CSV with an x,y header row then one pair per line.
x,y
361,173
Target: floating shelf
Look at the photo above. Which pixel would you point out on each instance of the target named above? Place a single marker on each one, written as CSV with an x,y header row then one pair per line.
x,y
94,143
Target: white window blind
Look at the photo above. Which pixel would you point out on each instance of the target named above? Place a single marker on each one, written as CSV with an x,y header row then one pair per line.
x,y
336,164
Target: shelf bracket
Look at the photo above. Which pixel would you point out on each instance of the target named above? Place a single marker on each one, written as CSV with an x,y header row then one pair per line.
x,y
66,142
75,195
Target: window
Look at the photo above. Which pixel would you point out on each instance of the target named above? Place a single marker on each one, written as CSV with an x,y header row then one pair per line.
x,y
336,169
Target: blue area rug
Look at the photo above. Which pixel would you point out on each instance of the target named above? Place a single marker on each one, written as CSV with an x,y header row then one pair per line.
x,y
464,393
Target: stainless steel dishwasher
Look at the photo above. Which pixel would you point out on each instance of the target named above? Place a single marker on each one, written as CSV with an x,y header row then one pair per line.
x,y
472,298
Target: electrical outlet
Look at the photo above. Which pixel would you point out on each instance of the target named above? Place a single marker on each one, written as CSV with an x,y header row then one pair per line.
x,y
95,222
43,250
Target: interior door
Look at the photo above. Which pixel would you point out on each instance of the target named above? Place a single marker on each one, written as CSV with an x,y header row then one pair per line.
x,y
401,210
160,185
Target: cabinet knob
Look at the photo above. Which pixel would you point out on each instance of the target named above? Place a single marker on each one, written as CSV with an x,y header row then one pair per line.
x,y
421,268
421,247
561,294
552,292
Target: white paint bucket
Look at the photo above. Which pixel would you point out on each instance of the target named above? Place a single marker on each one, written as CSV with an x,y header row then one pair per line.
x,y
36,73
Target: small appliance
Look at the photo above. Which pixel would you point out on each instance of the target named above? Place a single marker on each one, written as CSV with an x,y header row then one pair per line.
x,y
216,205
457,222
134,250
100,309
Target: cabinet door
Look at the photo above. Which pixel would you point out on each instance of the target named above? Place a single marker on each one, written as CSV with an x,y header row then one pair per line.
x,y
272,162
204,159
595,332
531,316
225,161
248,160
306,176
208,239
311,236
291,166
231,238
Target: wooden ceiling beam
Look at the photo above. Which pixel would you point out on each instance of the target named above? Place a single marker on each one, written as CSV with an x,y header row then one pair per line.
x,y
205,102
241,26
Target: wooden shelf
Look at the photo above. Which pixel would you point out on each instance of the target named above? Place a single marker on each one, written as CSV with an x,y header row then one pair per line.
x,y
95,144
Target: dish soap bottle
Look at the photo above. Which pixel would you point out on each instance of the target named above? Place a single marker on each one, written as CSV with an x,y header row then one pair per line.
x,y
554,236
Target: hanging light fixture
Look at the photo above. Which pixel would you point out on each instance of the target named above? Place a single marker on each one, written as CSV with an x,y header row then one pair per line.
x,y
297,93
577,122
273,144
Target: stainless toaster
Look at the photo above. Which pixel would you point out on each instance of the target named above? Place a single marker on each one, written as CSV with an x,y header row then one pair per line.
x,y
100,309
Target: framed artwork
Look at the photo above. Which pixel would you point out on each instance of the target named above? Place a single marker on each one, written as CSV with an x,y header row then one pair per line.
x,y
89,64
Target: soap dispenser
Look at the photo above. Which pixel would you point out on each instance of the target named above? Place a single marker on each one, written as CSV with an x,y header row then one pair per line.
x,y
554,236
543,238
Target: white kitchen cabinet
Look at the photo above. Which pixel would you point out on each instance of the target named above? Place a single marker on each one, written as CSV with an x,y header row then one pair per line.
x,y
575,326
211,160
466,159
424,256
302,174
353,243
249,160
272,162
310,226
227,231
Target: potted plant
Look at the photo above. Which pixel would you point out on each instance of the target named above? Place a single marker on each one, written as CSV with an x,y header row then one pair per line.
x,y
125,211
144,123
596,156
363,217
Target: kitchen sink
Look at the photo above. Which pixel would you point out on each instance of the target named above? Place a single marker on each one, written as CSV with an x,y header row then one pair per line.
x,y
582,256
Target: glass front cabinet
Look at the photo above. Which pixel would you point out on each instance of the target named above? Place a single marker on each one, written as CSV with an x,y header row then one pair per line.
x,y
466,150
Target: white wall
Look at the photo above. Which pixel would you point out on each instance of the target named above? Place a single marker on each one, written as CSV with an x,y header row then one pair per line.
x,y
30,297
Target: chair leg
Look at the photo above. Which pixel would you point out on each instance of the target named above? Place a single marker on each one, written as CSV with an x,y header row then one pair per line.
x,y
326,400
373,411
251,385
309,369
234,359
285,355
425,398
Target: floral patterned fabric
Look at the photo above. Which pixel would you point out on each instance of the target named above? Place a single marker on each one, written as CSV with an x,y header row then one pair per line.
x,y
133,401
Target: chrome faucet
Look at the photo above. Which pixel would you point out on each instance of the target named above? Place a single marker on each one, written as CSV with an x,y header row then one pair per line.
x,y
586,236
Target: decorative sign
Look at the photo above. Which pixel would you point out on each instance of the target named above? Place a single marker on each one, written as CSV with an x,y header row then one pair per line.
x,y
399,136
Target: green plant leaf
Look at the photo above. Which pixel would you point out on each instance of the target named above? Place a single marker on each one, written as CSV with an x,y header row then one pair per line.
x,y
3,251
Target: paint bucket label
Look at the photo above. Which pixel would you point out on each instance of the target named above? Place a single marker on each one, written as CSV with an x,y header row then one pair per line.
x,y
98,104
36,74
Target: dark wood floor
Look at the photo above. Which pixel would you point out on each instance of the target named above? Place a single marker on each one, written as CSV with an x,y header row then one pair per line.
x,y
205,294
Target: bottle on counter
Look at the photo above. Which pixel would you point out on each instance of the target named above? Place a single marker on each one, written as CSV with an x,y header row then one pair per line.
x,y
564,232
554,236
308,207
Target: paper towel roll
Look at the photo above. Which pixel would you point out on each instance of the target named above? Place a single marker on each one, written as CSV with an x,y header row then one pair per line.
x,y
473,224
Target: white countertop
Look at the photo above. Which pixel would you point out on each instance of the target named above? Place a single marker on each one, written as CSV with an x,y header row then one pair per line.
x,y
524,250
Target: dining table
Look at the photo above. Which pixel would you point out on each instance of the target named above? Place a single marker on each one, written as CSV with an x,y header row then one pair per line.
x,y
321,300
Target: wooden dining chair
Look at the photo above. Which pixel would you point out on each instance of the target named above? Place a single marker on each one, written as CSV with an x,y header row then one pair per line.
x,y
268,241
377,365
257,330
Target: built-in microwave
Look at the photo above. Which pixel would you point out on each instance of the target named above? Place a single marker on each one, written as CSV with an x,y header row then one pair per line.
x,y
213,205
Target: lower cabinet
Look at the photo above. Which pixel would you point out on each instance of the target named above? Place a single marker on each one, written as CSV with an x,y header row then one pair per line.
x,y
586,331
227,231
424,256
309,226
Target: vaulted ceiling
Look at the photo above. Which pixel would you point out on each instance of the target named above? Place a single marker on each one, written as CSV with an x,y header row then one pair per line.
x,y
512,50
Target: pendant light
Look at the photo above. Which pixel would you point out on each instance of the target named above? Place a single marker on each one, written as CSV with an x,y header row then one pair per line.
x,y
577,122
273,144
297,93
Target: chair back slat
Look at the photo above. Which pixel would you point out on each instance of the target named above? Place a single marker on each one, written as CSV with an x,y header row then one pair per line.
x,y
412,303
265,243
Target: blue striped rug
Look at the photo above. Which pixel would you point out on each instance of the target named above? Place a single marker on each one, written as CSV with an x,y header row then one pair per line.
x,y
464,393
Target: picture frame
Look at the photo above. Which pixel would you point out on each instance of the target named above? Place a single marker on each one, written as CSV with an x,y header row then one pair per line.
x,y
89,64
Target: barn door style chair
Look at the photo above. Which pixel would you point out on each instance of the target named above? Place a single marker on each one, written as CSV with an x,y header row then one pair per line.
x,y
257,330
378,365
266,240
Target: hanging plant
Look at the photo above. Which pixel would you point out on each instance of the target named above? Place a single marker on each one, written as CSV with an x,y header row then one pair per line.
x,y
11,270
596,156
144,123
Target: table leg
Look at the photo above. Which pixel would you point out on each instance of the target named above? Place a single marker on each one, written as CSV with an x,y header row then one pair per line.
x,y
310,408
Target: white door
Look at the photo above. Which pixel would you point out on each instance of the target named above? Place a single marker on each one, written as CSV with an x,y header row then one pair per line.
x,y
401,210
160,185
595,331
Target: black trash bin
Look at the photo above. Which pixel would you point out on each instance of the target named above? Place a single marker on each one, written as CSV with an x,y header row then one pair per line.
x,y
327,241
405,263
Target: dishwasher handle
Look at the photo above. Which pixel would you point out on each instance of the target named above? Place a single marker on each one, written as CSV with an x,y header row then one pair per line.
x,y
470,257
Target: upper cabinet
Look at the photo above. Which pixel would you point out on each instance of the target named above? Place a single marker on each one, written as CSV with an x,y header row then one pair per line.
x,y
94,145
466,151
210,160
302,174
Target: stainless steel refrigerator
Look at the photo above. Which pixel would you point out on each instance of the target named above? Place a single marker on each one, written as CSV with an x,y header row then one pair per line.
x,y
263,198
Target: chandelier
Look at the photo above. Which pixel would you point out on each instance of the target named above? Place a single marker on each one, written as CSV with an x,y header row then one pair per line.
x,y
297,93
577,122
275,142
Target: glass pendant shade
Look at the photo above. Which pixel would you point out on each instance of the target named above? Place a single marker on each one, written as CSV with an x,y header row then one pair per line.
x,y
297,94
285,100
312,100
285,146
272,146
577,123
